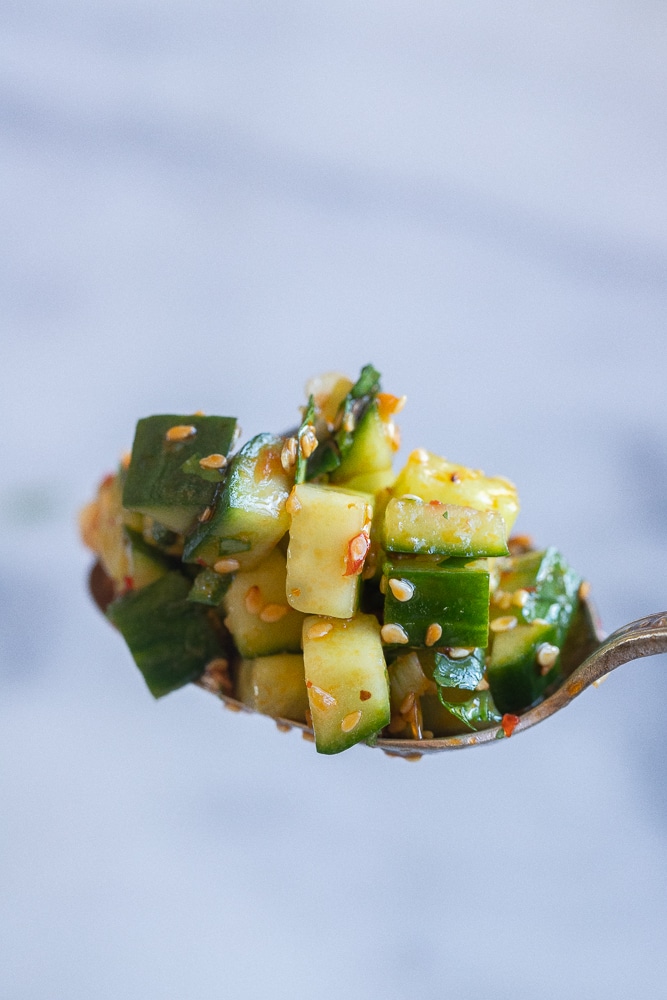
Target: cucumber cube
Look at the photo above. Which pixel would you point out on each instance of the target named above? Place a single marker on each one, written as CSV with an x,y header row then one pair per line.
x,y
346,679
274,685
436,604
433,527
516,676
329,538
170,638
250,516
156,483
258,615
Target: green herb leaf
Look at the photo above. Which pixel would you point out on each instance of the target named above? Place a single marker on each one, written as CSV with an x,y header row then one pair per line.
x,y
463,674
478,711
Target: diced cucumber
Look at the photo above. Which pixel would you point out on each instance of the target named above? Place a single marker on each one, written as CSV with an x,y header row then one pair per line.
x,y
274,685
537,585
250,516
146,563
334,449
462,711
433,478
436,604
516,677
209,587
258,615
170,638
346,679
371,450
433,527
372,482
156,483
329,538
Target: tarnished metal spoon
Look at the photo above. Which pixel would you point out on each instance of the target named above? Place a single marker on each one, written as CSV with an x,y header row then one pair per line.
x,y
588,657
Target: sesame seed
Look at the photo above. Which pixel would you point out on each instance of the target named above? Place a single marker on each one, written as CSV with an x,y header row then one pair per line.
x,y
180,432
292,504
351,721
519,597
349,422
584,590
226,565
273,613
253,600
214,461
458,652
305,735
288,454
427,734
394,434
408,703
216,676
295,592
308,441
125,459
411,496
419,455
320,699
283,727
319,629
205,514
393,633
364,695
383,584
396,725
546,656
503,624
433,634
483,685
401,589
540,621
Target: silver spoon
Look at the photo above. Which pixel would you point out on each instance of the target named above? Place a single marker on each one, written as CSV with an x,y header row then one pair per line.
x,y
590,657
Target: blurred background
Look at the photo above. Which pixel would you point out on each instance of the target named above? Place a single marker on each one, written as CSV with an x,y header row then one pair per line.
x,y
203,204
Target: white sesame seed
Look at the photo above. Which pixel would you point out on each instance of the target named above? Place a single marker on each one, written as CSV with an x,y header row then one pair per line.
x,y
349,422
584,590
272,613
288,454
319,629
319,698
383,584
180,432
394,435
226,565
408,703
519,597
433,634
292,504
483,685
205,515
401,589
393,633
503,624
213,462
457,652
351,721
308,441
253,600
546,656
419,455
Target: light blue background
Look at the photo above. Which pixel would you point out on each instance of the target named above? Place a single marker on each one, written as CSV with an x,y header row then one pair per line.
x,y
202,205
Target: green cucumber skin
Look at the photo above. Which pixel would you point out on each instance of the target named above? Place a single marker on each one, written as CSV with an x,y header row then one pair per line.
x,y
456,598
241,522
513,673
434,528
370,450
209,587
170,638
477,707
156,484
553,589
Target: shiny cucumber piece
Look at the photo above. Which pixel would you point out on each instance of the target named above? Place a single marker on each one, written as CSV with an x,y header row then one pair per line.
x,y
371,449
430,477
538,585
435,604
454,711
209,587
250,517
156,483
346,680
274,685
146,563
257,613
171,639
329,539
524,661
433,527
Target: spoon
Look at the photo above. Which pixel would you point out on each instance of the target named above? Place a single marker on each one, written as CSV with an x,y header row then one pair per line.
x,y
587,658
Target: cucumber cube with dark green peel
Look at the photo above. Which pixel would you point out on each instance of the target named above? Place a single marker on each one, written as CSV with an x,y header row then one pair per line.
x,y
552,590
249,517
370,451
209,587
454,599
170,638
156,483
433,527
516,676
147,563
454,711
274,685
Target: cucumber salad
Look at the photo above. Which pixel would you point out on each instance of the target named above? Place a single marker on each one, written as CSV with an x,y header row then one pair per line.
x,y
301,576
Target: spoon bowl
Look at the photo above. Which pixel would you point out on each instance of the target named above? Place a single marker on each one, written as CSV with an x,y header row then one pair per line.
x,y
587,657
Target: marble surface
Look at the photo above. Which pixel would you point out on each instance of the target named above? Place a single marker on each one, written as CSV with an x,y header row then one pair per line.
x,y
202,205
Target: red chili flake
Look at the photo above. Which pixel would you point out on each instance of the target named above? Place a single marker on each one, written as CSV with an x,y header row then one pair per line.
x,y
128,582
200,561
509,724
357,549
364,695
435,503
